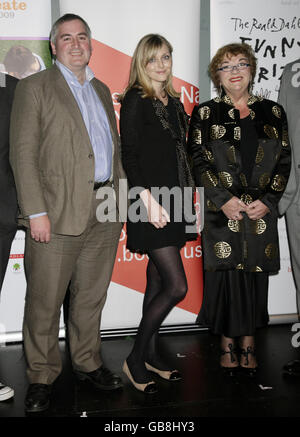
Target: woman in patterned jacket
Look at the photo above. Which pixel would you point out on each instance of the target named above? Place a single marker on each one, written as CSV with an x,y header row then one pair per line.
x,y
241,156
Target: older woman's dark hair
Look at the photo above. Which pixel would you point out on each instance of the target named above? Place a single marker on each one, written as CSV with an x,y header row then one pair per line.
x,y
230,50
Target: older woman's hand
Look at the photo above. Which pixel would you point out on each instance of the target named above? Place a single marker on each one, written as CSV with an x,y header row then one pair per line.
x,y
233,208
257,210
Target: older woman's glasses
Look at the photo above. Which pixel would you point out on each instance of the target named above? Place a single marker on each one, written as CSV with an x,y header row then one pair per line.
x,y
230,68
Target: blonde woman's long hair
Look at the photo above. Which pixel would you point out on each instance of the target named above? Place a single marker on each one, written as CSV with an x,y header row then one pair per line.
x,y
147,49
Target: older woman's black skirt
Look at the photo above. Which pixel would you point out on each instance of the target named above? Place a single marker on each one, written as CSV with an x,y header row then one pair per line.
x,y
235,303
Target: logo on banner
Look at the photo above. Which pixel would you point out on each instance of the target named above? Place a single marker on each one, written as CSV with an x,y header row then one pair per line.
x,y
8,8
17,265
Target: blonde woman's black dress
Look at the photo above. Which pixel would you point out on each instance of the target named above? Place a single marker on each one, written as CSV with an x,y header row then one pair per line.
x,y
153,138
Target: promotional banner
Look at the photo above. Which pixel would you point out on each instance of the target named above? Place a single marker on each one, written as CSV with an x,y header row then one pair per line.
x,y
272,29
117,26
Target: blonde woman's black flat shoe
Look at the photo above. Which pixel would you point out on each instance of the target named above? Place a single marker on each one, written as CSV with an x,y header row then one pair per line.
x,y
170,375
148,387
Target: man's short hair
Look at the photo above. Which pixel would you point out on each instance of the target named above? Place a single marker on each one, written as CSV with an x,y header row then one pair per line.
x,y
65,18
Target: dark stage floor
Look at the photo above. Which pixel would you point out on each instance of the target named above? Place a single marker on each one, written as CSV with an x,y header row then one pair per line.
x,y
204,392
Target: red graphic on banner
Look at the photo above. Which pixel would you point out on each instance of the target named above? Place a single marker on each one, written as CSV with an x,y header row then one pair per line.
x,y
112,67
16,255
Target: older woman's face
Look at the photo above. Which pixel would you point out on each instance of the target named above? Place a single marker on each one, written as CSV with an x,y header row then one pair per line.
x,y
236,76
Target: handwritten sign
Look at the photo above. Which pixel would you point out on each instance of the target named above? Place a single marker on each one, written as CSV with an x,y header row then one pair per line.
x,y
270,27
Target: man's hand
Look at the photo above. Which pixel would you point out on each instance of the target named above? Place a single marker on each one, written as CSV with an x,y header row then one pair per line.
x,y
40,228
257,210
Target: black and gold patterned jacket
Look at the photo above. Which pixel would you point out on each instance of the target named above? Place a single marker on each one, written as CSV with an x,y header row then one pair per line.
x,y
214,144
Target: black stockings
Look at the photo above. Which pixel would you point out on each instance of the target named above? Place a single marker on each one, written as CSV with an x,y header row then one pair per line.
x,y
166,287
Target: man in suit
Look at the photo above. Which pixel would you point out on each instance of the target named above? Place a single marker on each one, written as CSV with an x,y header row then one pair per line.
x,y
289,98
64,146
8,196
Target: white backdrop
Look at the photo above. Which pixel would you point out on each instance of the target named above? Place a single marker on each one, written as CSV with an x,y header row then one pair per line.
x,y
119,25
272,28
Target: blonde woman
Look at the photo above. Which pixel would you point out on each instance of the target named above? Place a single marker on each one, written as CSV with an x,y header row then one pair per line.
x,y
153,135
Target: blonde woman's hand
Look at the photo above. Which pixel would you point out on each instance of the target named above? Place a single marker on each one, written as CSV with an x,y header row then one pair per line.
x,y
157,215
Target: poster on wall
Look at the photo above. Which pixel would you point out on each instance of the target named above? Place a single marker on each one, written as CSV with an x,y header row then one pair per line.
x,y
117,26
272,29
24,47
24,50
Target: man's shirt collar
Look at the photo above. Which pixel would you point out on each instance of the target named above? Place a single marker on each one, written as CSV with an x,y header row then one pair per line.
x,y
71,77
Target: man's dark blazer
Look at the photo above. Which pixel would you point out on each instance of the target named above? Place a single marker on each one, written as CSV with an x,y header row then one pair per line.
x,y
8,196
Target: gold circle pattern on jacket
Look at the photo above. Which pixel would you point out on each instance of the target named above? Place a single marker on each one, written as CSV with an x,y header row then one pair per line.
x,y
264,180
217,131
243,180
208,155
259,154
276,111
231,113
271,251
231,155
271,131
234,225
252,114
222,249
204,112
246,198
237,133
225,178
278,183
256,269
197,136
285,138
258,226
211,206
208,179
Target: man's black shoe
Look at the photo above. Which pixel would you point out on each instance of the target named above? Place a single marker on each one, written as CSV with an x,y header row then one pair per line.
x,y
37,398
101,378
292,368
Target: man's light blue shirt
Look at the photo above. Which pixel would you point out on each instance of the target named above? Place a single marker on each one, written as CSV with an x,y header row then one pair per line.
x,y
95,120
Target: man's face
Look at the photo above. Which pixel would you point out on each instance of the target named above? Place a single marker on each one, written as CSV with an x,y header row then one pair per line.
x,y
72,47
